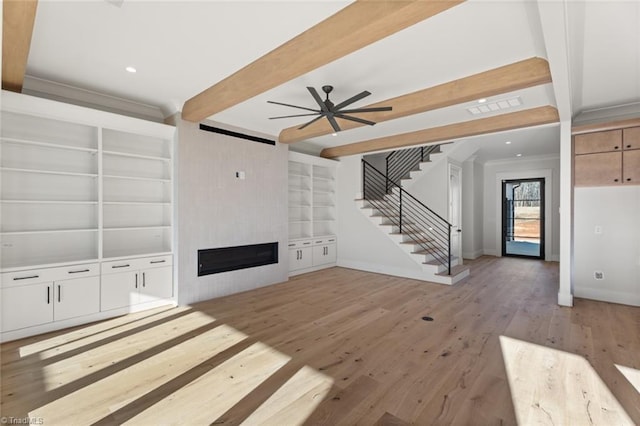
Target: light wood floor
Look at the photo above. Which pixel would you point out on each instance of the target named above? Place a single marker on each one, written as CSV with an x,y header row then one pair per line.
x,y
341,346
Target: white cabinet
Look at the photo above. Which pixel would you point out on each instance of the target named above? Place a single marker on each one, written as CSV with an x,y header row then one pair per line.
x,y
300,255
324,251
134,281
40,296
312,212
80,187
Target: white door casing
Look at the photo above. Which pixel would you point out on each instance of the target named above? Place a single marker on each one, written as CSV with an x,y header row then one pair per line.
x,y
455,211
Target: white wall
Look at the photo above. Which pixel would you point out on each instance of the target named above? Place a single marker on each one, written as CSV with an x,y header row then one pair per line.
x,y
615,251
472,208
494,172
361,244
215,209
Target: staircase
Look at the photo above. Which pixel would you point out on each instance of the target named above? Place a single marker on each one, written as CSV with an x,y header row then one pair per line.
x,y
414,227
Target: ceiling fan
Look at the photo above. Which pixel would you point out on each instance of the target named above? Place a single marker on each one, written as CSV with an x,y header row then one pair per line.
x,y
329,110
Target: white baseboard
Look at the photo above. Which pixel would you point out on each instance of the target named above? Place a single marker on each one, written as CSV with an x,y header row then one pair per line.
x,y
472,255
416,274
608,296
488,252
565,299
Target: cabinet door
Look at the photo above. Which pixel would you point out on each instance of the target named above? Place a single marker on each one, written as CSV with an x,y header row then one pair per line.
x,y
631,138
598,169
77,297
324,254
26,306
119,290
631,167
156,283
598,142
300,258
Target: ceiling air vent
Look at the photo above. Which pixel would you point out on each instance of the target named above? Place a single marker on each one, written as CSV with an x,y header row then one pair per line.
x,y
495,106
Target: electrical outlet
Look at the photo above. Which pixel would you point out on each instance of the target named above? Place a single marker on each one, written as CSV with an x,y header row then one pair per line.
x,y
598,275
598,230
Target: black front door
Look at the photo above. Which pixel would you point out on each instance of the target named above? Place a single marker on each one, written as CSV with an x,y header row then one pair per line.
x,y
523,218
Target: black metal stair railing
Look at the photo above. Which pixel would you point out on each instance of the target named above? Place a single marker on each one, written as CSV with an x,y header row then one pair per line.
x,y
401,162
417,222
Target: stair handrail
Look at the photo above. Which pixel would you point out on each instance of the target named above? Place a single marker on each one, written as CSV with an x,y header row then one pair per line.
x,y
444,227
401,162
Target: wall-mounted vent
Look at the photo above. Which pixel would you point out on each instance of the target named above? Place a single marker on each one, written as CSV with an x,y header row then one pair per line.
x,y
236,134
495,106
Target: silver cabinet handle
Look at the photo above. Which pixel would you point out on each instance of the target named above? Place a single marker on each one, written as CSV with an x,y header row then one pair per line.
x,y
26,278
120,266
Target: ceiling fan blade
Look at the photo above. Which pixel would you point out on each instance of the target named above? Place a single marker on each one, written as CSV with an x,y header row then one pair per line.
x,y
295,115
293,106
334,123
351,100
376,109
310,122
318,99
359,120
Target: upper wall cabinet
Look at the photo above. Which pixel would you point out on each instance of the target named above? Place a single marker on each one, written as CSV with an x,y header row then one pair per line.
x,y
81,185
605,158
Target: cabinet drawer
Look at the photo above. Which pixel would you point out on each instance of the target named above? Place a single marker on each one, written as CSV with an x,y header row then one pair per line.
x,y
300,244
33,276
117,266
598,142
631,138
155,262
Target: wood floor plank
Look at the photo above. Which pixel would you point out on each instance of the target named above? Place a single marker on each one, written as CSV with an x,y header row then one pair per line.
x,y
339,347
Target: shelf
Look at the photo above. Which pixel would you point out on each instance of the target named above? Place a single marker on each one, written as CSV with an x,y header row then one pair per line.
x,y
136,178
325,206
299,189
47,202
299,175
48,145
299,206
47,172
326,179
145,157
322,191
324,220
49,231
133,256
300,221
138,228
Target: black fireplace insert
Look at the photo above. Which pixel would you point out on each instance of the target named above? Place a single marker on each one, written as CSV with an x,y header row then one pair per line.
x,y
216,260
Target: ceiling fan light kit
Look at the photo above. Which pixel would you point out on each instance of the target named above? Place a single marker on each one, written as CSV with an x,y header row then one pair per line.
x,y
330,110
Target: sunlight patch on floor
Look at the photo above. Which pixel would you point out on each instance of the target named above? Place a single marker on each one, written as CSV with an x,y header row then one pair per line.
x,y
550,387
295,401
90,333
71,368
631,374
212,394
90,402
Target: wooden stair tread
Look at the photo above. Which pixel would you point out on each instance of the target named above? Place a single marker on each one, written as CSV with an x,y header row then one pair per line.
x,y
455,270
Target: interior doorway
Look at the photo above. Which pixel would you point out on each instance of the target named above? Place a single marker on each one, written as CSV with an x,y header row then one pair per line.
x,y
523,218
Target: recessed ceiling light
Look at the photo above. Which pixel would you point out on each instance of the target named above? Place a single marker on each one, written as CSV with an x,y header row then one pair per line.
x,y
508,142
334,134
131,69
481,101
518,155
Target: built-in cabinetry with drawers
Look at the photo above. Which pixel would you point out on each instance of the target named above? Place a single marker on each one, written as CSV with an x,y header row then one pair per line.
x,y
80,190
312,213
605,158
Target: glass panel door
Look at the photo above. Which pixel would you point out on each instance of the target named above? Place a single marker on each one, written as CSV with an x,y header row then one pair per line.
x,y
523,218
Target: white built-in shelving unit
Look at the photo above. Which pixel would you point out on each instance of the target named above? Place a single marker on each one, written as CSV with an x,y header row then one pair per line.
x,y
79,188
312,213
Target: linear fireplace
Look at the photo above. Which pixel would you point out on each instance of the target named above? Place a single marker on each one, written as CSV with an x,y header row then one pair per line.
x,y
213,261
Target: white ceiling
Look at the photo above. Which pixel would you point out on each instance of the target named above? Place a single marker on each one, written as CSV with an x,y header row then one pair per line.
x,y
181,48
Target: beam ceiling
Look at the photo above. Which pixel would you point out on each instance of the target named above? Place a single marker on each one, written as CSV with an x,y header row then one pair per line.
x,y
354,27
18,17
519,75
498,123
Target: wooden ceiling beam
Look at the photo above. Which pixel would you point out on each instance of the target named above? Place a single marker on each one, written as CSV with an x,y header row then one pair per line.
x,y
352,28
515,120
519,75
18,18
